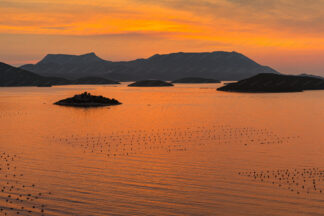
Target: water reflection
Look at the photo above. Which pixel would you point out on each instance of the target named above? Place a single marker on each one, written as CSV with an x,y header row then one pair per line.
x,y
186,150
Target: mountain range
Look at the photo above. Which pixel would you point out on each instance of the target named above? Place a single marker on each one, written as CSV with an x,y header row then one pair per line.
x,y
216,65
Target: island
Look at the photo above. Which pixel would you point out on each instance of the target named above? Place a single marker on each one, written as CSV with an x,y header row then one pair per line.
x,y
150,83
93,81
273,83
87,100
196,80
44,85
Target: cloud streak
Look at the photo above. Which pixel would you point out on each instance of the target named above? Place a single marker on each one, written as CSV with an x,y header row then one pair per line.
x,y
256,27
288,15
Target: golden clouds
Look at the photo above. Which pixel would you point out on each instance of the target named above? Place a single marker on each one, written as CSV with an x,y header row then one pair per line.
x,y
87,18
254,27
191,18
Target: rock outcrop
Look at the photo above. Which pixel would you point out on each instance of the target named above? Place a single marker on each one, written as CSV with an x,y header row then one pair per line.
x,y
87,100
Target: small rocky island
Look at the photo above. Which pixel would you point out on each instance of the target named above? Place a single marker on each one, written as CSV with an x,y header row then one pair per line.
x,y
196,80
269,82
150,83
87,100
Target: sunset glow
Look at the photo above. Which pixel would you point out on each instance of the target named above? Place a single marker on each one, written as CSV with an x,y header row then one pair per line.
x,y
284,34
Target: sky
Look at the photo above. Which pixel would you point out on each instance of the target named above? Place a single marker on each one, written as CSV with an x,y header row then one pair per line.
x,y
287,35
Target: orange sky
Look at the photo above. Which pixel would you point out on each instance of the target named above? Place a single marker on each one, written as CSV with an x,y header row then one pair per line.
x,y
284,34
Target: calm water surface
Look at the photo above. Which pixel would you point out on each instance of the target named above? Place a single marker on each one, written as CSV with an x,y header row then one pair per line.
x,y
183,150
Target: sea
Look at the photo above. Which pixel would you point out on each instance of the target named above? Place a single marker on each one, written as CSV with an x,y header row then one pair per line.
x,y
182,150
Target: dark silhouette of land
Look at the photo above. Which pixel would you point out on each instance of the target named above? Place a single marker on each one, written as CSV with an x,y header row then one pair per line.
x,y
44,85
87,100
93,80
196,80
311,75
215,65
275,83
12,76
150,83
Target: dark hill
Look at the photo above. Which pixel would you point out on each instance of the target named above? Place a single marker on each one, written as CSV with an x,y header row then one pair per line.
x,y
69,66
70,59
93,81
311,75
275,83
11,76
216,65
150,83
196,80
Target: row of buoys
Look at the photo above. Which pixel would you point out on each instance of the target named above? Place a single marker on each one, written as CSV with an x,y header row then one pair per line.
x,y
305,180
17,197
130,142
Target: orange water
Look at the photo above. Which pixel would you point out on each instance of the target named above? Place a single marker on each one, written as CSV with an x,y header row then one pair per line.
x,y
183,150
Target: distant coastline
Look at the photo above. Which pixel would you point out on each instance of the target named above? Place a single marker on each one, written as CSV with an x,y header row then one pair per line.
x,y
274,83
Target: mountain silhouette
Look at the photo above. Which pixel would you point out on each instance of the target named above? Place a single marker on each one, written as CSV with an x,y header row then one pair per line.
x,y
216,65
311,75
12,76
